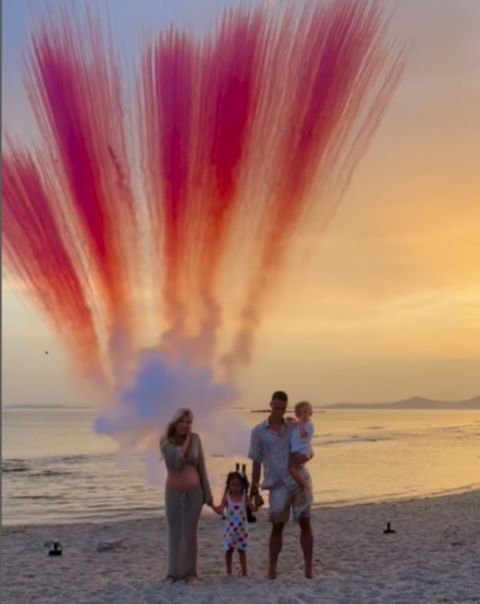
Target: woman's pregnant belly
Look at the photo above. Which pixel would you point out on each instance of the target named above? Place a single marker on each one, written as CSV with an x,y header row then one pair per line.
x,y
183,480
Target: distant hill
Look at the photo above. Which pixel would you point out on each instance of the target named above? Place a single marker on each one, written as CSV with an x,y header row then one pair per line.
x,y
416,402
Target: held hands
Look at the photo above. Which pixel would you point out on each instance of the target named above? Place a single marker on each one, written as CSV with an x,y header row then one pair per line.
x,y
218,509
256,500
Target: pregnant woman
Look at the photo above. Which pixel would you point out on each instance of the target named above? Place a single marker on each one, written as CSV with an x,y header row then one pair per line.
x,y
186,490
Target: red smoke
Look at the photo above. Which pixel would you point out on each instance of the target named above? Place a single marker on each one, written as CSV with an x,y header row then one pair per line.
x,y
240,136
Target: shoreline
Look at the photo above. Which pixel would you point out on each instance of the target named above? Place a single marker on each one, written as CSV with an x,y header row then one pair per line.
x,y
432,557
159,513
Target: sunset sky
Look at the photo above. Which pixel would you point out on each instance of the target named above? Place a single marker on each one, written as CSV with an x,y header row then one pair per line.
x,y
383,304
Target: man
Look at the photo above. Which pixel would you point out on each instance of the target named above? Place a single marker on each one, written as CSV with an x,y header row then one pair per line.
x,y
270,446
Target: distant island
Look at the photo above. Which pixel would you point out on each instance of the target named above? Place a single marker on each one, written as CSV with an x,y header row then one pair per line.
x,y
416,402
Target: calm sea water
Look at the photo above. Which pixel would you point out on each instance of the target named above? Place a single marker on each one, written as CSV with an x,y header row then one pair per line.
x,y
55,469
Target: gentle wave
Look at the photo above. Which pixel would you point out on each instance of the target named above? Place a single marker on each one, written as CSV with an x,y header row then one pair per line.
x,y
6,468
35,497
351,440
15,465
49,473
21,465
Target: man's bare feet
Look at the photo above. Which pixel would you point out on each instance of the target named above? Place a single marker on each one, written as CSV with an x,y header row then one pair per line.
x,y
193,581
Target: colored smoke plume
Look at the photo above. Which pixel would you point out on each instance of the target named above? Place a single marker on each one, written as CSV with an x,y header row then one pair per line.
x,y
233,142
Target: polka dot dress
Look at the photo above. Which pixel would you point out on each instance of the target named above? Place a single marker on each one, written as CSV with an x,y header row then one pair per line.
x,y
236,532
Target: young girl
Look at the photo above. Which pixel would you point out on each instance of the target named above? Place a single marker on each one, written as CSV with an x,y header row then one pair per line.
x,y
235,504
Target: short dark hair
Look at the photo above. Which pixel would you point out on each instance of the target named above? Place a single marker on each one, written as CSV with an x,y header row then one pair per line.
x,y
279,395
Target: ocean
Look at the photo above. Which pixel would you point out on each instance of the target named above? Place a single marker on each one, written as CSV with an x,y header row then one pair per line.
x,y
55,469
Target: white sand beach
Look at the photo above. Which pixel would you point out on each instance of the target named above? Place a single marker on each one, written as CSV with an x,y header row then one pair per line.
x,y
434,556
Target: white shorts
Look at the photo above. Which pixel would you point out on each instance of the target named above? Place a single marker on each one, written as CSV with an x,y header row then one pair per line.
x,y
281,499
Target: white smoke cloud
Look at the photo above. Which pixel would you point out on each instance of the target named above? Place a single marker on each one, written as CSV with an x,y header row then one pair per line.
x,y
159,386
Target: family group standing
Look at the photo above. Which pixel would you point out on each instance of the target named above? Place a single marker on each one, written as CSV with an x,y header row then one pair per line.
x,y
281,447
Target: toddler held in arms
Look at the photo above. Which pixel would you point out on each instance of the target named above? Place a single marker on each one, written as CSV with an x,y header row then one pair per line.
x,y
301,443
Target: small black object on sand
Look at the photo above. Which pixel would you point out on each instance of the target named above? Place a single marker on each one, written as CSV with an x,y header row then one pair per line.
x,y
55,549
389,529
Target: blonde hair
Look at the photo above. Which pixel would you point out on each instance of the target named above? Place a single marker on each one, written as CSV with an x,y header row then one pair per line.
x,y
170,431
303,405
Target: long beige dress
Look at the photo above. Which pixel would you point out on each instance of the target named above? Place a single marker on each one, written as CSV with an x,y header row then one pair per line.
x,y
183,510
